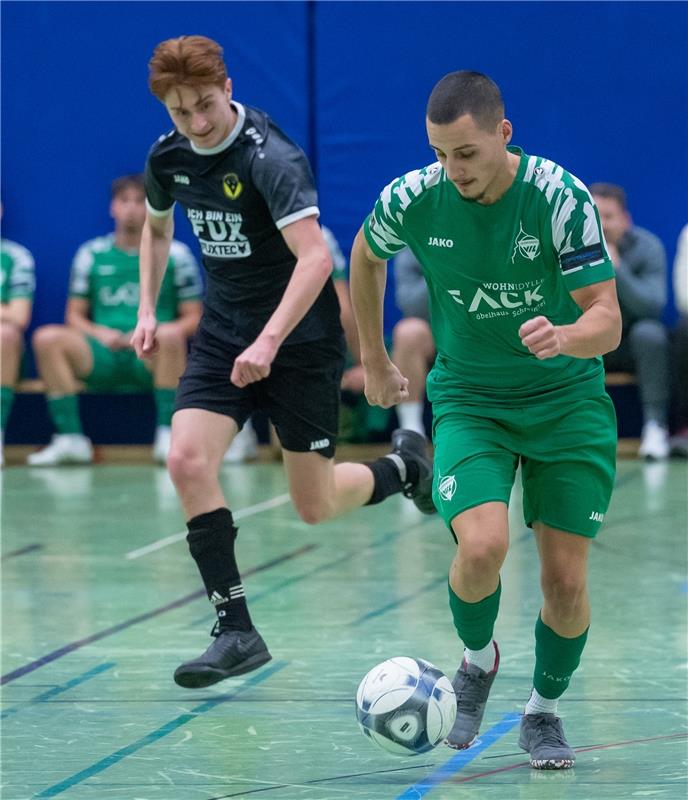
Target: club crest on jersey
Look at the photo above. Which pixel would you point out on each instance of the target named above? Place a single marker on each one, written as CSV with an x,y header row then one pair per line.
x,y
446,487
528,246
232,185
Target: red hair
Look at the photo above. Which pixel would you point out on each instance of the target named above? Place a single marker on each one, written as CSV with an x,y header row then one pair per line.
x,y
186,61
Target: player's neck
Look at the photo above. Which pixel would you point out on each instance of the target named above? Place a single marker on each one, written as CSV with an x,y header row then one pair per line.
x,y
124,240
503,180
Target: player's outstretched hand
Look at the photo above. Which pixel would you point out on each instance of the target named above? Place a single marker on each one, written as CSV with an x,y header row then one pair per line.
x,y
541,337
254,363
144,340
385,386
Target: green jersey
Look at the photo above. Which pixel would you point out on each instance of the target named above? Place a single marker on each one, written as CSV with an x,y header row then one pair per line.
x,y
17,272
489,268
109,279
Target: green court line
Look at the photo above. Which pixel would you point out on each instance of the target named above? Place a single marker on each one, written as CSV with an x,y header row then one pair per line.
x,y
157,734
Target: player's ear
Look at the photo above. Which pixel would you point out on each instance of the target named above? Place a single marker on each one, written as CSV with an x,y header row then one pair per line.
x,y
228,88
506,130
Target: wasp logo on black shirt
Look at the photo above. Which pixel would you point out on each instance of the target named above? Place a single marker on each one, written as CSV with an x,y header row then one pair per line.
x,y
232,185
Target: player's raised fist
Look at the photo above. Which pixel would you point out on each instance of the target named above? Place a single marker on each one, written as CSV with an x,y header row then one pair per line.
x,y
541,337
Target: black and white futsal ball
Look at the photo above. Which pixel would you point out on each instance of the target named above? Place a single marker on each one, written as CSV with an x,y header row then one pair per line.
x,y
406,705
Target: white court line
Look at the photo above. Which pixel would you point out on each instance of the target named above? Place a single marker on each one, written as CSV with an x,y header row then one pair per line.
x,y
249,511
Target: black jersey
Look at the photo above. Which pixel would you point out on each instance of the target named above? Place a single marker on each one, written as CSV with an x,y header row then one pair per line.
x,y
237,197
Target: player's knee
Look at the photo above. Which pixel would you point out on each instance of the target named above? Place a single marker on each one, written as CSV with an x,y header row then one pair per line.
x,y
47,338
313,510
171,339
188,465
564,592
409,333
482,556
648,333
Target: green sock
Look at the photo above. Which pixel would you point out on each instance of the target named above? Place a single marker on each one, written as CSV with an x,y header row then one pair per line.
x,y
6,400
164,404
556,659
474,622
64,412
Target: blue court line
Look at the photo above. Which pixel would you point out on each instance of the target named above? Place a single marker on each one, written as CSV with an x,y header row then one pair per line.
x,y
157,734
459,761
69,648
41,698
378,612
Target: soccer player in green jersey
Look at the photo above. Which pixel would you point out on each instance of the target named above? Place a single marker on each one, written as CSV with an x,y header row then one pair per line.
x,y
522,305
17,286
93,348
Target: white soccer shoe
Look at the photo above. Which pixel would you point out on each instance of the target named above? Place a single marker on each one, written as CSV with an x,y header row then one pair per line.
x,y
244,447
64,448
654,442
161,445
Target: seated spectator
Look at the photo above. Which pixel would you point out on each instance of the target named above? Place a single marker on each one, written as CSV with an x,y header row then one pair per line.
x,y
413,348
93,348
640,262
679,442
16,300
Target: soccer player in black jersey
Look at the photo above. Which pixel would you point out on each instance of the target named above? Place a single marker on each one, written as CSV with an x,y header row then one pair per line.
x,y
270,335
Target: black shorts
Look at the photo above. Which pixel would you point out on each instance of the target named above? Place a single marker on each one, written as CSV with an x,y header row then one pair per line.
x,y
300,396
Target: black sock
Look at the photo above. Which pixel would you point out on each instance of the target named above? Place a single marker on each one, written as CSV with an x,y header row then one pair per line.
x,y
211,543
388,477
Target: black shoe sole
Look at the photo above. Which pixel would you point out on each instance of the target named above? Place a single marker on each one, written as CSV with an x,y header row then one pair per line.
x,y
200,676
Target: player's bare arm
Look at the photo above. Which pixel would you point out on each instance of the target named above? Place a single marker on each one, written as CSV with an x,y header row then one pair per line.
x,y
156,239
17,312
313,267
596,332
384,385
77,317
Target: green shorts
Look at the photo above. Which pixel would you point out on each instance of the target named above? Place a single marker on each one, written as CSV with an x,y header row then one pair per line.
x,y
117,370
567,455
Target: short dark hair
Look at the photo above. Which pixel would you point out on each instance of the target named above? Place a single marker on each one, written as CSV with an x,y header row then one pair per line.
x,y
611,191
466,92
127,182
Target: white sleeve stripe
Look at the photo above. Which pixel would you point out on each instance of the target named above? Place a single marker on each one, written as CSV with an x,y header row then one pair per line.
x,y
311,211
154,212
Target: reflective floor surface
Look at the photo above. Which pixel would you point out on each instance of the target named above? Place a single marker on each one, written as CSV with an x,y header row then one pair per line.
x,y
101,601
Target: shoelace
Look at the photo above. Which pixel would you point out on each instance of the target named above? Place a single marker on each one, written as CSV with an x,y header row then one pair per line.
x,y
470,692
550,732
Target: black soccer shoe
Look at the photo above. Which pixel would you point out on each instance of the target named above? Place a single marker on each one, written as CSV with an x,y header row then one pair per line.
x,y
230,653
412,448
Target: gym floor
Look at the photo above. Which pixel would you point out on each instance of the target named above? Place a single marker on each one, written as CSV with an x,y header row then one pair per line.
x,y
101,601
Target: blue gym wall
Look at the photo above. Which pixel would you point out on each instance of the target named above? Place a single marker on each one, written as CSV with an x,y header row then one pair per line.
x,y
602,88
